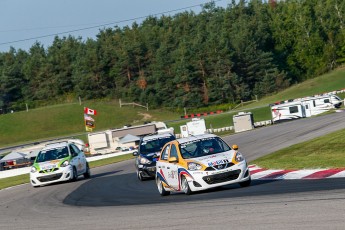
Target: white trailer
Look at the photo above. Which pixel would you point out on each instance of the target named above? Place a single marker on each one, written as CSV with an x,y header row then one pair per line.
x,y
107,141
195,127
243,122
99,142
304,107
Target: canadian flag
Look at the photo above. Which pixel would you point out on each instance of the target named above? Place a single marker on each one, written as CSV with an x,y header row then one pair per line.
x,y
88,118
90,111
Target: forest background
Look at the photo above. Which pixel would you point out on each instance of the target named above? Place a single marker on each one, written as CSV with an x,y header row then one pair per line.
x,y
219,56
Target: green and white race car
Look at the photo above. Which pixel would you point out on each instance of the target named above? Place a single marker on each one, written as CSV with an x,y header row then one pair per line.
x,y
56,162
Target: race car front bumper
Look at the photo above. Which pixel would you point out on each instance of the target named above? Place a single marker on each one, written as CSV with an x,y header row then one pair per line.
x,y
41,178
147,170
202,180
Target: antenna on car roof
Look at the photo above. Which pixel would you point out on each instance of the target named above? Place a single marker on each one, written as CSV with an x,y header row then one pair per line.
x,y
56,143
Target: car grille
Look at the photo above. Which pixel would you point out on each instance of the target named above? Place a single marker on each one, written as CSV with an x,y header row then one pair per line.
x,y
219,167
50,177
49,170
222,177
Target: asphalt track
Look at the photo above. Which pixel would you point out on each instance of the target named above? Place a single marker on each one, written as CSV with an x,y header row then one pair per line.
x,y
114,199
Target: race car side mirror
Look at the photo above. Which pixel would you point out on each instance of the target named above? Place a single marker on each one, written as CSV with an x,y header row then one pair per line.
x,y
235,147
172,159
135,153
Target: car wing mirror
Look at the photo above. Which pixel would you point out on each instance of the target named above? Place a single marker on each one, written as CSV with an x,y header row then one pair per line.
x,y
135,153
235,147
172,159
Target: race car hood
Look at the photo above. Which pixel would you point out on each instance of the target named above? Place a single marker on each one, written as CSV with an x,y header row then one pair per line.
x,y
48,164
150,156
216,159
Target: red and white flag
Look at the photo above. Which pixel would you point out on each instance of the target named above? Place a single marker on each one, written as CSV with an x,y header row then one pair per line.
x,y
90,111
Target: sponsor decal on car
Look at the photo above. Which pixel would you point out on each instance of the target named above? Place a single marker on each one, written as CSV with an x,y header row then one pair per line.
x,y
48,165
218,162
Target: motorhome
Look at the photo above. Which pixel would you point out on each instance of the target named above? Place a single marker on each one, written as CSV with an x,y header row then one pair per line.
x,y
304,107
108,141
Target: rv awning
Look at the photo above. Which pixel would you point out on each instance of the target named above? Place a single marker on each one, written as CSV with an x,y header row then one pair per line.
x,y
129,138
13,156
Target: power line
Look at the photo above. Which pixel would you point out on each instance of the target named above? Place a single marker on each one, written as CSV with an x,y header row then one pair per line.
x,y
107,24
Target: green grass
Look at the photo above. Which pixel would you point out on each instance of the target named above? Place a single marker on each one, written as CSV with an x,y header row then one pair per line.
x,y
24,179
68,119
13,181
322,152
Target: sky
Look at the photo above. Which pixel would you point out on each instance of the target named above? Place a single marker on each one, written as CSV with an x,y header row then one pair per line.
x,y
23,22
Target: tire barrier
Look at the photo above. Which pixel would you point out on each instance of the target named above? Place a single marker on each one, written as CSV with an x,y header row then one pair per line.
x,y
196,115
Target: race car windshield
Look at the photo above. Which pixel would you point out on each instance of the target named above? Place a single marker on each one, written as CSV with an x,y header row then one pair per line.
x,y
52,154
203,147
154,145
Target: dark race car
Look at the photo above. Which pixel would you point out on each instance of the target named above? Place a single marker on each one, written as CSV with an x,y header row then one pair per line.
x,y
148,153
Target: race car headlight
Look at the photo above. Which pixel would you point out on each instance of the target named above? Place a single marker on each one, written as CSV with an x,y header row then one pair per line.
x,y
143,160
33,169
194,166
239,157
64,164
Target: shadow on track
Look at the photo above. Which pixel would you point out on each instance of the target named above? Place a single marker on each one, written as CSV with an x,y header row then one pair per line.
x,y
126,189
106,174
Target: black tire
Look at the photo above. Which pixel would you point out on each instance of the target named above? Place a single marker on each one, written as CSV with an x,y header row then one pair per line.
x,y
185,186
161,189
75,174
87,173
246,183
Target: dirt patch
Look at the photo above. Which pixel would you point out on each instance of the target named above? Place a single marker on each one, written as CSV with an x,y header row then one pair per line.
x,y
146,116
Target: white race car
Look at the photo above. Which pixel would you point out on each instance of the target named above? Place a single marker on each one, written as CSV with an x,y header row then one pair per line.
x,y
200,162
61,161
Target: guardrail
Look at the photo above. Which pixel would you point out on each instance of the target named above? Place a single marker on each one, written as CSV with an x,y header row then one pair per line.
x,y
26,170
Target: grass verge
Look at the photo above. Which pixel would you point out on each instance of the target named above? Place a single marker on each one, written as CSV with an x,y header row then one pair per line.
x,y
13,181
23,179
322,152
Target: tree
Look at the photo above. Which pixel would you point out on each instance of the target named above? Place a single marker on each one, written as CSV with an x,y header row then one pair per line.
x,y
11,78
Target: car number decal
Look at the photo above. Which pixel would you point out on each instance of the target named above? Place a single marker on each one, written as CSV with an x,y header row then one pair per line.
x,y
172,174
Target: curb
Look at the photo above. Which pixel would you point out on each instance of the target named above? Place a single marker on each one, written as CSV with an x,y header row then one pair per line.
x,y
258,173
